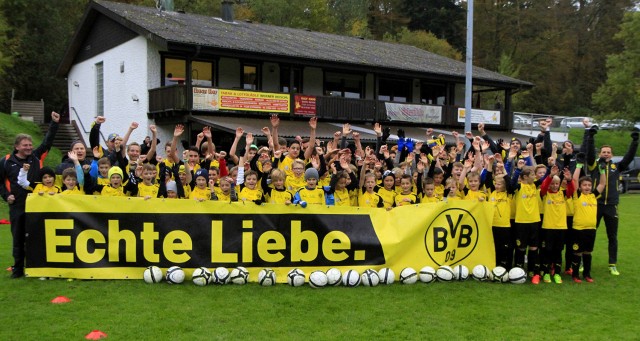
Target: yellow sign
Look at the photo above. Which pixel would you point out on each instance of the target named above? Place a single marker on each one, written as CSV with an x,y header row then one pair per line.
x,y
116,238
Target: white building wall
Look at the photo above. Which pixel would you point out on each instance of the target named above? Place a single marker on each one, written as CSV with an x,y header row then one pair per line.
x,y
119,88
312,80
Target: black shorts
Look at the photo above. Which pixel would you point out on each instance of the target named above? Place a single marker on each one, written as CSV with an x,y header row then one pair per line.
x,y
527,234
553,239
502,237
583,240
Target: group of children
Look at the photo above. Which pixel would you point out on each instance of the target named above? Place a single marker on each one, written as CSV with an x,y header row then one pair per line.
x,y
543,199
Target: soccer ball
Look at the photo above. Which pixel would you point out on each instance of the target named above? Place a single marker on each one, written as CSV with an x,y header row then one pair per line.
x,y
266,277
201,276
517,276
427,274
351,278
370,278
152,274
480,273
318,279
500,274
334,277
387,276
175,275
239,275
408,276
445,273
220,276
461,272
295,277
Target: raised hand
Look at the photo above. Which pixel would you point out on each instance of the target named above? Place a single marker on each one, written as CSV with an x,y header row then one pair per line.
x,y
55,116
239,132
134,125
275,121
178,130
346,129
72,156
378,129
153,129
206,130
266,131
313,122
100,119
249,140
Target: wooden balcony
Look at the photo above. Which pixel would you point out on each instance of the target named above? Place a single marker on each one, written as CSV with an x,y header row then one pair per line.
x,y
168,98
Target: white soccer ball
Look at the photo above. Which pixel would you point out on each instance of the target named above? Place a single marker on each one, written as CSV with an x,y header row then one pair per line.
x,y
296,277
220,276
427,274
318,279
201,276
239,275
351,278
408,276
387,276
370,278
461,272
480,273
517,275
500,274
152,274
266,277
445,273
175,275
334,277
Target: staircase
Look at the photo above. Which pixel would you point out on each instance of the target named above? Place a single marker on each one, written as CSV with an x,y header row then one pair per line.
x,y
66,134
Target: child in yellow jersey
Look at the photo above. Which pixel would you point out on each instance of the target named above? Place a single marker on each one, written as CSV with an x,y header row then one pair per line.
x,y
200,190
338,191
388,189
451,190
585,204
249,190
429,192
100,170
115,187
472,192
226,191
438,186
71,183
147,189
554,223
295,181
406,196
527,219
185,179
500,198
368,197
46,184
276,193
311,194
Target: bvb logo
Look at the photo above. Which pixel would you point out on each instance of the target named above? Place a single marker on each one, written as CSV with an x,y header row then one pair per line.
x,y
452,236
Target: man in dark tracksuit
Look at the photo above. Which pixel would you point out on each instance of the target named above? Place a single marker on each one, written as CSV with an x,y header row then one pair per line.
x,y
14,194
608,200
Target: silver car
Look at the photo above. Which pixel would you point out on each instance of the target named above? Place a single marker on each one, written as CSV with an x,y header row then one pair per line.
x,y
575,122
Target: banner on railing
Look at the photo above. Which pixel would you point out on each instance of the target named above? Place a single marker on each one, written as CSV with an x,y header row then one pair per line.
x,y
224,99
414,113
94,237
480,116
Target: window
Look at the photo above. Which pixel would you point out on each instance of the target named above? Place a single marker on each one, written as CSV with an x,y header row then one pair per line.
x,y
433,93
202,73
100,89
344,85
175,71
250,77
285,79
394,90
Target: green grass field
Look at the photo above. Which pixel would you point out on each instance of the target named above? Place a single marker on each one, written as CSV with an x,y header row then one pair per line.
x,y
127,310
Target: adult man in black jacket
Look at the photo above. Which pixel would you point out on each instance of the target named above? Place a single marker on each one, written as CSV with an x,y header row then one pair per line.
x,y
14,194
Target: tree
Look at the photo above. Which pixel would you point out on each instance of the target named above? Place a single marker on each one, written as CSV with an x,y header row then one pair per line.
x,y
444,18
426,41
311,14
619,96
385,17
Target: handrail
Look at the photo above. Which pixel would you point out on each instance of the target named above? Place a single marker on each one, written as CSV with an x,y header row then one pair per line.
x,y
82,125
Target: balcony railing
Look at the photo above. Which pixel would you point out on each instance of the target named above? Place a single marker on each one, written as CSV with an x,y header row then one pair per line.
x,y
174,99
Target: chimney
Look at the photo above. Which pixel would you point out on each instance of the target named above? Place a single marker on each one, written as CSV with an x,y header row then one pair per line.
x,y
227,10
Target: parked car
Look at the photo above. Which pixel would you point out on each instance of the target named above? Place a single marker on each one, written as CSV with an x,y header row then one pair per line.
x,y
575,122
524,121
616,124
630,178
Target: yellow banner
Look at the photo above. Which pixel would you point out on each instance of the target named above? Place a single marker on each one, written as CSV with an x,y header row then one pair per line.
x,y
254,101
117,238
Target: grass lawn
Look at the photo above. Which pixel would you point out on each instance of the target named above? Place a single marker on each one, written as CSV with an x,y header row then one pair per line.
x,y
131,309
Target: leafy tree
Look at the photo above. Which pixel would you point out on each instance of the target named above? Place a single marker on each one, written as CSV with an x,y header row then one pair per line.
x,y
619,96
444,18
311,14
426,41
385,17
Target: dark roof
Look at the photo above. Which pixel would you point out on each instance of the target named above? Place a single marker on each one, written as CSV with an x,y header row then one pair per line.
x,y
174,29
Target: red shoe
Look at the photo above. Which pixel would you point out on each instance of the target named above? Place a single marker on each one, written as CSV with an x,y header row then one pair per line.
x,y
568,272
577,280
535,279
588,279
